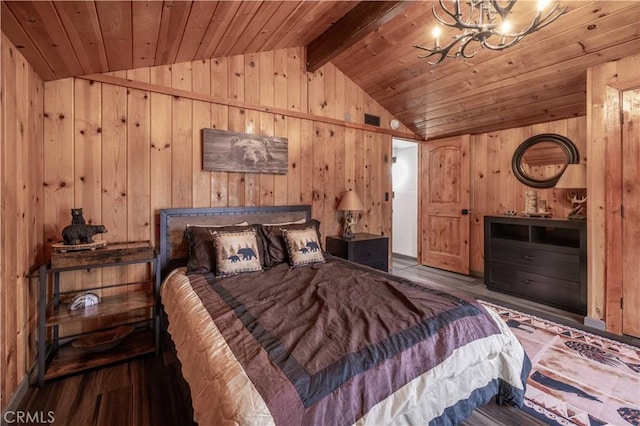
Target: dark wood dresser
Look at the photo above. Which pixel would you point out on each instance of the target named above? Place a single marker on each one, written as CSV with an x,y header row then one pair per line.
x,y
544,260
366,249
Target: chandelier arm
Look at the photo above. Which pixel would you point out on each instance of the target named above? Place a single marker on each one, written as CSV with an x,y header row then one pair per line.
x,y
463,47
455,15
500,46
536,25
472,11
503,11
444,51
539,23
548,19
457,18
519,36
462,24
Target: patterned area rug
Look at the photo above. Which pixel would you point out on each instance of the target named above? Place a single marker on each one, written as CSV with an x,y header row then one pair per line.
x,y
577,378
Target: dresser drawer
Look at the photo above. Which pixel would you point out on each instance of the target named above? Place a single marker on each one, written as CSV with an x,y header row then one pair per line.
x,y
368,251
546,262
541,288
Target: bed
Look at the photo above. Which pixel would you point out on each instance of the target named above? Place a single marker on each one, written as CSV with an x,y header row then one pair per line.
x,y
325,341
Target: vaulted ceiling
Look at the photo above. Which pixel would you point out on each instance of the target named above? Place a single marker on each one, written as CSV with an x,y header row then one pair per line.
x,y
542,78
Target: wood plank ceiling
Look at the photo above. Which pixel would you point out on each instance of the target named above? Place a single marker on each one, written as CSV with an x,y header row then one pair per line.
x,y
543,78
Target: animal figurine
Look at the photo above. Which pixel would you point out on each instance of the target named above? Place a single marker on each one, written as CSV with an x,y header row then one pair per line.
x,y
81,234
76,217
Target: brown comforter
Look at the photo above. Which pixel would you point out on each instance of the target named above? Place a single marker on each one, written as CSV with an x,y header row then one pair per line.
x,y
328,342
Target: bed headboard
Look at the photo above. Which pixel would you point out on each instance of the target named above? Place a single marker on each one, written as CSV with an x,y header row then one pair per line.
x,y
173,222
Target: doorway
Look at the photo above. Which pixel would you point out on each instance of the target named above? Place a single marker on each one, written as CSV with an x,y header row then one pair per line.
x,y
623,207
405,200
445,197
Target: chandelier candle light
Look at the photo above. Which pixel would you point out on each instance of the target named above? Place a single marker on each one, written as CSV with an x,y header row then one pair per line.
x,y
487,23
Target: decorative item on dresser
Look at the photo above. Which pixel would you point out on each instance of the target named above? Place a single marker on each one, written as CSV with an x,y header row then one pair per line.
x,y
531,201
134,312
350,203
575,177
544,260
366,249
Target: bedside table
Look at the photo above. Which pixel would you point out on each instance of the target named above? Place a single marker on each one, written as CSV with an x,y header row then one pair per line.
x,y
123,303
366,249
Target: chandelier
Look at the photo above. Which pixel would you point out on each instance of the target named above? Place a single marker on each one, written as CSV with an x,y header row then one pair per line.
x,y
487,24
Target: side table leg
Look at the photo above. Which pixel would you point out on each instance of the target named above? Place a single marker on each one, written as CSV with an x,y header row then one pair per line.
x,y
41,324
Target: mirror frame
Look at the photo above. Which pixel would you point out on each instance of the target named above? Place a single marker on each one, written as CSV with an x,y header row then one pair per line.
x,y
571,151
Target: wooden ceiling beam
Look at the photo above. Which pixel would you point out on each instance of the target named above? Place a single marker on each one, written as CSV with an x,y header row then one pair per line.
x,y
359,22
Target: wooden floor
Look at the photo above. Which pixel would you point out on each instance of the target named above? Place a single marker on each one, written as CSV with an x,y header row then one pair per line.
x,y
473,286
150,391
146,391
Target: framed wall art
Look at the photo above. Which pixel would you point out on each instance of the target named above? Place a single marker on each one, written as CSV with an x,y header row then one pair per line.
x,y
224,151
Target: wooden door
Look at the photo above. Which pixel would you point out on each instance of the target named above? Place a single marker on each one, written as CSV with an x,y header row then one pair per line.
x,y
631,212
444,194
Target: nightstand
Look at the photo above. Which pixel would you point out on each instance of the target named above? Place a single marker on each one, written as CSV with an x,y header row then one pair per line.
x,y
127,299
366,249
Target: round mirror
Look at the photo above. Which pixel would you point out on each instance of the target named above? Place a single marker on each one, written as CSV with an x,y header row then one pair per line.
x,y
540,160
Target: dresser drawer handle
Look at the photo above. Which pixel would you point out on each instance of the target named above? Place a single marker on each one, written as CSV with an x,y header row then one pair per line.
x,y
528,281
530,258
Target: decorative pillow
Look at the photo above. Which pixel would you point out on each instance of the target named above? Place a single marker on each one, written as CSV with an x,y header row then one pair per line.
x,y
275,246
303,246
236,252
200,242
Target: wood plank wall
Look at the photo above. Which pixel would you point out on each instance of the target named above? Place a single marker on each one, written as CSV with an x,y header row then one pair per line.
x,y
21,217
123,153
495,189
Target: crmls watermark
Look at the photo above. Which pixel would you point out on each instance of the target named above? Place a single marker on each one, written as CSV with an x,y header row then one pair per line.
x,y
29,417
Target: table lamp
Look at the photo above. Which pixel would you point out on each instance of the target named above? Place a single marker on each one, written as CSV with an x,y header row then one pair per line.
x,y
350,203
575,177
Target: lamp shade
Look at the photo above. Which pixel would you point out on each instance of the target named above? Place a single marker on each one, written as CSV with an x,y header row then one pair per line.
x,y
573,177
350,202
